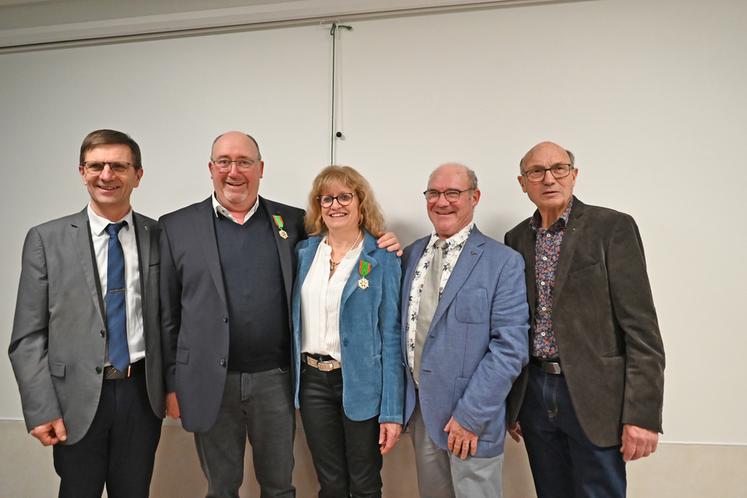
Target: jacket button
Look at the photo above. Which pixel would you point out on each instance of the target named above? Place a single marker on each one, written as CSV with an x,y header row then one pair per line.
x,y
98,369
222,362
102,333
344,342
225,319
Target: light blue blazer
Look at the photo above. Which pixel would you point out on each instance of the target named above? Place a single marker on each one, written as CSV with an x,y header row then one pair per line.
x,y
370,335
477,343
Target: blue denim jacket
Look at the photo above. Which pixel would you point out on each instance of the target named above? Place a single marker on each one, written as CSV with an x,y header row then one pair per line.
x,y
370,334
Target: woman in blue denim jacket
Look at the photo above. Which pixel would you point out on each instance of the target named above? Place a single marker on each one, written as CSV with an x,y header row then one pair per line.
x,y
346,336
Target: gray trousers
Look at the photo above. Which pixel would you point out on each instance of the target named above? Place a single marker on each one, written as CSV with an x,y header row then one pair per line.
x,y
258,406
442,474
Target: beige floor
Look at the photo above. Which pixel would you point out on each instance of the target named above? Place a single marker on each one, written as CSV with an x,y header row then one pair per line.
x,y
677,470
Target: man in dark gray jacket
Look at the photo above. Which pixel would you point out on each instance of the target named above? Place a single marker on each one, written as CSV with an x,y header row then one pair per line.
x,y
86,345
228,266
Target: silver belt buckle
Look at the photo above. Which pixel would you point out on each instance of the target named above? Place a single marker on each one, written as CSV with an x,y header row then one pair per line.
x,y
325,366
552,367
322,366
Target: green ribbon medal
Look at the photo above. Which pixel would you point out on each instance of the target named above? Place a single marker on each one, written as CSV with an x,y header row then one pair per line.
x,y
280,224
364,268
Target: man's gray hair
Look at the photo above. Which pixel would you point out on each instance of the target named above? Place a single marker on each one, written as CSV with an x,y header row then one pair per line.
x,y
472,177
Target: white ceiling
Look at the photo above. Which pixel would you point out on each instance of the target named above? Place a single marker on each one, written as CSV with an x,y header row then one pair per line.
x,y
29,24
6,3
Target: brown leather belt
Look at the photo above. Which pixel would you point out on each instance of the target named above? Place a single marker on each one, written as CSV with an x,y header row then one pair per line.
x,y
547,366
111,373
322,366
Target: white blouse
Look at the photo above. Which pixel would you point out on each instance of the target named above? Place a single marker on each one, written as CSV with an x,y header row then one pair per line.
x,y
320,301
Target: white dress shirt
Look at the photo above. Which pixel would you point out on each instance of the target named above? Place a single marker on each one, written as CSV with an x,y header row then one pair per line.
x,y
321,297
133,300
219,209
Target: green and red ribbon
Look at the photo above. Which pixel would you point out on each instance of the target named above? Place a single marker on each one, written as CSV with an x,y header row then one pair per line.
x,y
364,268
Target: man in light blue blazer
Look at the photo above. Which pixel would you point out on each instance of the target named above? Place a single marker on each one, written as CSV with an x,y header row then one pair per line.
x,y
465,322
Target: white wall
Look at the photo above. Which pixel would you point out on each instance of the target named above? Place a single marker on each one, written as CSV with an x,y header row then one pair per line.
x,y
651,98
173,97
649,95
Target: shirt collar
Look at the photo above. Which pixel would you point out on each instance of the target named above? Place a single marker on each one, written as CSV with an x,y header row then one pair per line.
x,y
219,209
99,223
455,240
536,221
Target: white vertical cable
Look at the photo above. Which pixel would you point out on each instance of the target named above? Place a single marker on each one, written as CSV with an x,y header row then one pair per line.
x,y
334,132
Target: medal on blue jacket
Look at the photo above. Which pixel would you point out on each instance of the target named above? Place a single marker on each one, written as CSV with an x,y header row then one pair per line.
x,y
364,268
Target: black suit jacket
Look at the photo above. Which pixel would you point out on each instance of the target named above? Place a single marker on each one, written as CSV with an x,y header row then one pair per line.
x,y
58,344
604,321
194,309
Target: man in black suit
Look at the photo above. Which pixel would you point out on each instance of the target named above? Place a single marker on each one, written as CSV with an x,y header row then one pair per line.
x,y
591,398
227,274
86,345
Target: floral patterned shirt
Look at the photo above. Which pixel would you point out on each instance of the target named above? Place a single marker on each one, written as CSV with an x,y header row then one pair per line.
x,y
547,246
451,250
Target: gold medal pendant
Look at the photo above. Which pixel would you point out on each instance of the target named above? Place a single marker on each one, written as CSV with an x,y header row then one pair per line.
x,y
281,225
363,283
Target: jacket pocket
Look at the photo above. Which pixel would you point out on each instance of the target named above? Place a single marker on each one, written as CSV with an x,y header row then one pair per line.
x,y
472,306
57,369
585,269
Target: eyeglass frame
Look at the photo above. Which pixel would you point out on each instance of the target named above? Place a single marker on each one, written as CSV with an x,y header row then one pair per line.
x,y
227,167
335,198
551,169
444,192
117,167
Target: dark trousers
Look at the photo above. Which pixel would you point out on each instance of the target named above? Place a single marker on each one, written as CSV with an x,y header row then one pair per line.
x,y
119,448
345,452
565,464
258,406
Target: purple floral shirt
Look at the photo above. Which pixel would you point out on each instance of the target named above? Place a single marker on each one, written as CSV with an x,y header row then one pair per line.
x,y
547,253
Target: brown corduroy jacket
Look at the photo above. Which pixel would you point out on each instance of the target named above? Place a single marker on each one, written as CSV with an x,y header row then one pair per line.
x,y
605,323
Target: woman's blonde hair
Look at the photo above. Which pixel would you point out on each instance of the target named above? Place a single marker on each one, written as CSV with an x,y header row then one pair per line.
x,y
371,218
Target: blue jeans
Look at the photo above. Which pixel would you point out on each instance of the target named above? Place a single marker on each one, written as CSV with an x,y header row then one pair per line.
x,y
258,406
565,464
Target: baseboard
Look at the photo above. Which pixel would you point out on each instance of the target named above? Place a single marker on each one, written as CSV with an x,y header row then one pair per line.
x,y
678,470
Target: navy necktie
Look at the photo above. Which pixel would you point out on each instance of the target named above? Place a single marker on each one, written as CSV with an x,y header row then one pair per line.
x,y
116,308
